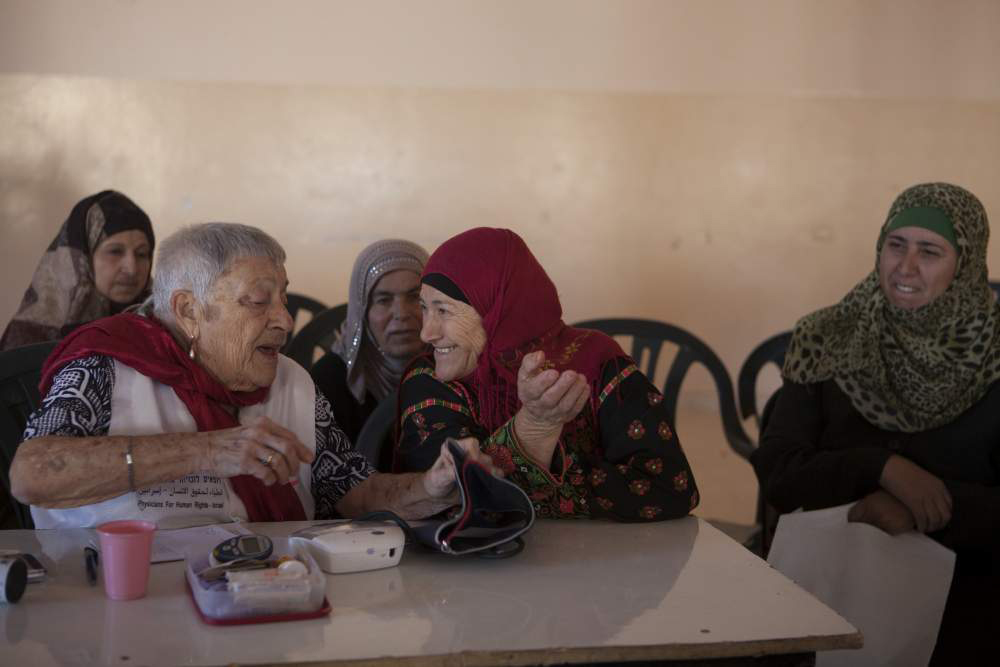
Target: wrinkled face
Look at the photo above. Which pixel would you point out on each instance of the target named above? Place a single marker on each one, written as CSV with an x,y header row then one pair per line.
x,y
243,324
916,266
121,266
455,330
394,315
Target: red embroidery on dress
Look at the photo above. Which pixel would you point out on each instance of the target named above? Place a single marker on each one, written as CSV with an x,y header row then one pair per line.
x,y
655,398
639,487
622,468
541,494
636,430
654,466
597,477
604,503
681,481
615,381
429,402
664,431
576,480
501,458
650,512
694,500
566,505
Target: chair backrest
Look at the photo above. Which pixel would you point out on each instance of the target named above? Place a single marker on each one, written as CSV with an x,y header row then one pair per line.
x,y
20,370
648,336
300,303
320,332
376,431
771,351
297,302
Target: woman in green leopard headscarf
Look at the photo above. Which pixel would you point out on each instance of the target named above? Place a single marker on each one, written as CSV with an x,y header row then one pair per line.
x,y
890,400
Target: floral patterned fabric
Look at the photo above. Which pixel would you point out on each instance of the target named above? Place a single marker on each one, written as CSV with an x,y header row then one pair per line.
x,y
620,461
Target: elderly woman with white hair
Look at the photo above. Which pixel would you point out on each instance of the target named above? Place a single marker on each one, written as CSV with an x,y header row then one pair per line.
x,y
185,412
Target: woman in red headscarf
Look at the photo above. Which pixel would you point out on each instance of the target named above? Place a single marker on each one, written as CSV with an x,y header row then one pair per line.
x,y
564,412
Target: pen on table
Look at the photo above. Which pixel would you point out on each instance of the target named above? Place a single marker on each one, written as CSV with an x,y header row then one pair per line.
x,y
90,560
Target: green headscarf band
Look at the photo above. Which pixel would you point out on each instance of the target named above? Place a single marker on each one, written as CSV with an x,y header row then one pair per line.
x,y
927,217
914,369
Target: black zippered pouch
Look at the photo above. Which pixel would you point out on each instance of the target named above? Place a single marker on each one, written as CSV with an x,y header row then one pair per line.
x,y
492,515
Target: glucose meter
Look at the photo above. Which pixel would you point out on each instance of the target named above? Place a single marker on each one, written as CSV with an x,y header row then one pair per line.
x,y
242,547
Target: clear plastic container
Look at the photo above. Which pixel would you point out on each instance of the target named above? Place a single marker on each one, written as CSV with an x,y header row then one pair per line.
x,y
263,599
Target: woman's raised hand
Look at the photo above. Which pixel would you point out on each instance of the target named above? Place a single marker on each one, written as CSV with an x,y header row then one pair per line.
x,y
439,481
924,495
261,448
550,398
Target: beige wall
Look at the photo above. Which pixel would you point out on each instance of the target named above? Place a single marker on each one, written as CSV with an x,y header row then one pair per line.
x,y
719,165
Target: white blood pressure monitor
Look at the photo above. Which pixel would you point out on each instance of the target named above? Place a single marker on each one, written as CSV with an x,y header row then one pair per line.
x,y
353,546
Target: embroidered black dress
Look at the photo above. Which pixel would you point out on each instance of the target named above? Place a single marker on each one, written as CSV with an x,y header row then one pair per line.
x,y
624,462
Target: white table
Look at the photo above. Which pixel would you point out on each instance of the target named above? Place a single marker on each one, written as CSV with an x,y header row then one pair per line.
x,y
581,591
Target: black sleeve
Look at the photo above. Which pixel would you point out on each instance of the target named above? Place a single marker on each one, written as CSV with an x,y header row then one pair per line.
x,y
975,511
643,473
795,472
975,517
431,412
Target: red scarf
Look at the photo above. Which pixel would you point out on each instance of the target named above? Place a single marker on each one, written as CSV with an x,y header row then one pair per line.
x,y
145,345
521,313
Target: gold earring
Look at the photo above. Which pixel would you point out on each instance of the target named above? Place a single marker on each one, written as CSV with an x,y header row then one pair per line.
x,y
191,349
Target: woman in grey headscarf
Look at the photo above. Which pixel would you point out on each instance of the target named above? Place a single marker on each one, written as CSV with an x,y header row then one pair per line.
x,y
380,336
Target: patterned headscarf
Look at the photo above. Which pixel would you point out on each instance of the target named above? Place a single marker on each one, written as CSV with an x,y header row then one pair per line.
x,y
910,369
368,370
63,294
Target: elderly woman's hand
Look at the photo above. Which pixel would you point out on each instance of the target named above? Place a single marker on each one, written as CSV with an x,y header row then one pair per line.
x,y
439,481
549,399
924,495
262,448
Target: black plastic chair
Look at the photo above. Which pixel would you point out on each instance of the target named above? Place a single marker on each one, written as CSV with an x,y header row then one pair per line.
x,y
771,351
297,302
300,303
649,336
20,370
377,431
320,332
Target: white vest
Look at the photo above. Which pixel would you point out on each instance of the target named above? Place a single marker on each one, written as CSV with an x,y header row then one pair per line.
x,y
142,406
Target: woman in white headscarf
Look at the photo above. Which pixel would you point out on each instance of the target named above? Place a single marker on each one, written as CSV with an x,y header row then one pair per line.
x,y
380,336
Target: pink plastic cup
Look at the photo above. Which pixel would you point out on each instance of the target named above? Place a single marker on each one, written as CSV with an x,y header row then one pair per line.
x,y
125,550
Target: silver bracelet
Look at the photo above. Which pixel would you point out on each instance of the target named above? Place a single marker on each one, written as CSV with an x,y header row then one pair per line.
x,y
131,469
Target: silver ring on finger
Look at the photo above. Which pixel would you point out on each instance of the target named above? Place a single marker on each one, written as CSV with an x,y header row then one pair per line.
x,y
267,461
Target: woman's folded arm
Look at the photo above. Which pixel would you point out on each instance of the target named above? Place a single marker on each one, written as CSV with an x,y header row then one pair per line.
x,y
794,472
